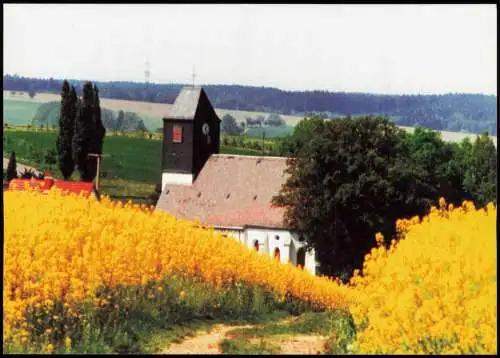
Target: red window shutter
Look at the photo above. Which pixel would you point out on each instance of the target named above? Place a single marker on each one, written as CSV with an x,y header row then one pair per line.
x,y
177,134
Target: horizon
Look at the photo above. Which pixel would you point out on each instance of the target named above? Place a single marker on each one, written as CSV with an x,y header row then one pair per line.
x,y
252,86
377,49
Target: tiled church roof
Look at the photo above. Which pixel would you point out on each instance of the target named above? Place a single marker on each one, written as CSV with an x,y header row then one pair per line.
x,y
257,215
230,191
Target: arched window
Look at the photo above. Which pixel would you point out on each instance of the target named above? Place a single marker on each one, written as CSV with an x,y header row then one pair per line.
x,y
301,258
256,245
277,254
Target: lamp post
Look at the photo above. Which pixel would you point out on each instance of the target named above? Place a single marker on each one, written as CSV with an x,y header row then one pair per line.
x,y
98,166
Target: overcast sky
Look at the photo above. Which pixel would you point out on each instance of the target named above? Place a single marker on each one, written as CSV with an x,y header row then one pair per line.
x,y
354,48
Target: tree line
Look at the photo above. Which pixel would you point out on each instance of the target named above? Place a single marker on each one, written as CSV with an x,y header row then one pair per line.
x,y
352,178
81,131
230,126
47,115
474,113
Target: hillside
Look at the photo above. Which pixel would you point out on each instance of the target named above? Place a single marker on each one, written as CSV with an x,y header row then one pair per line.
x,y
48,113
457,112
152,113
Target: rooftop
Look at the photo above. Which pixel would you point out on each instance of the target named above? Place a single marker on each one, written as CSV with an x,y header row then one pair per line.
x,y
185,104
230,191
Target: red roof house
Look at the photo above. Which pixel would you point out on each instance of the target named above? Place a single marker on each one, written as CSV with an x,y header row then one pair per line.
x,y
46,184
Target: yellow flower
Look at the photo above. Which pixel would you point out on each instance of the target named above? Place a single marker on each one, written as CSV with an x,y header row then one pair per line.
x,y
434,290
49,348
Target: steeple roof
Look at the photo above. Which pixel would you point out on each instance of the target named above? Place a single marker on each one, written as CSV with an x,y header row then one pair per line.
x,y
186,103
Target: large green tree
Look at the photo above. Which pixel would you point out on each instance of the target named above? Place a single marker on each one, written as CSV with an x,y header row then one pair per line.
x,y
66,129
438,162
97,137
84,130
349,179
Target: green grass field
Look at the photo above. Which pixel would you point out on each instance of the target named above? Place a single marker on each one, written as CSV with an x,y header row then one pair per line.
x,y
132,166
19,112
270,132
22,111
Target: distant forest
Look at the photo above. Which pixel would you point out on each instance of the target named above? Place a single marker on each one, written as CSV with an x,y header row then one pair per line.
x,y
458,112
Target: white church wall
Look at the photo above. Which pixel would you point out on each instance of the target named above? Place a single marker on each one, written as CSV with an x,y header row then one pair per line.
x,y
286,243
237,234
176,178
259,235
311,262
270,240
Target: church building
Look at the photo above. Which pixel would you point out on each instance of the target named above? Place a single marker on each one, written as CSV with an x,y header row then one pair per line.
x,y
231,193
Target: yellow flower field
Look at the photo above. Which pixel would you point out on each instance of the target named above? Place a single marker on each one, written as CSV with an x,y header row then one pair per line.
x,y
61,248
432,291
435,290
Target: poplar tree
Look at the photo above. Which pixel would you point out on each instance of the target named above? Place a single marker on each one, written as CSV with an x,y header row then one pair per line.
x,y
84,128
66,128
12,167
98,133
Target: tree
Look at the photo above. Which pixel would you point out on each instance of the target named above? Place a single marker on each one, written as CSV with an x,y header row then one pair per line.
x,y
229,125
31,91
260,120
12,167
98,133
347,182
438,162
120,121
480,161
84,129
274,120
66,130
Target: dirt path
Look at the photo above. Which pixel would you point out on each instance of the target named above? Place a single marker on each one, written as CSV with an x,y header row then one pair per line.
x,y
208,342
203,343
300,344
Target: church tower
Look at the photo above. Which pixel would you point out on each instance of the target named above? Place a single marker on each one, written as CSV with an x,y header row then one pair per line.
x,y
191,133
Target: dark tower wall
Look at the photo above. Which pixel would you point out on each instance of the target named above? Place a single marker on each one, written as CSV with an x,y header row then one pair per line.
x,y
177,157
205,145
189,156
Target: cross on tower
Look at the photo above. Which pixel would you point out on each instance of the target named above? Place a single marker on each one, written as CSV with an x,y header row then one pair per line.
x,y
193,75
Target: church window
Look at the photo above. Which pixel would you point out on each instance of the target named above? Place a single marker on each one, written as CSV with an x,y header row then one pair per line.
x,y
277,254
177,134
301,258
277,237
256,245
